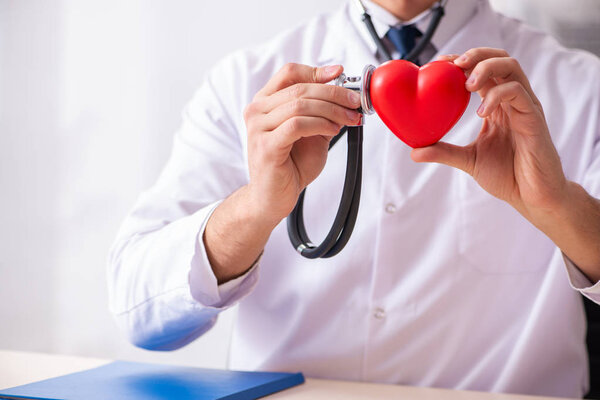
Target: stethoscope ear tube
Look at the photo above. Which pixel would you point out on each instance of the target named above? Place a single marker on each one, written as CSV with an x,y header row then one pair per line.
x,y
383,51
438,13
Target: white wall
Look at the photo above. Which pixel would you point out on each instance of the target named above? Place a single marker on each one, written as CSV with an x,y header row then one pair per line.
x,y
90,95
575,23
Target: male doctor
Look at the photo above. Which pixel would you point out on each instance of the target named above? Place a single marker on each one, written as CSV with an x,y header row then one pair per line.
x,y
467,259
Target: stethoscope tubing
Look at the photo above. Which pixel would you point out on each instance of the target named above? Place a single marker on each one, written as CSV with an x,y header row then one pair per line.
x,y
345,219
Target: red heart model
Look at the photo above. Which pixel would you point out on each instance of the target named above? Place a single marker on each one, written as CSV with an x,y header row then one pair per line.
x,y
419,105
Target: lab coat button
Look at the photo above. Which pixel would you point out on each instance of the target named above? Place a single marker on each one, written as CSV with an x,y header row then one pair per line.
x,y
379,313
390,208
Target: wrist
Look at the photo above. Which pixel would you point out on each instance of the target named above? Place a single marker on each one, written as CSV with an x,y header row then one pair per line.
x,y
574,226
236,234
561,209
553,212
259,210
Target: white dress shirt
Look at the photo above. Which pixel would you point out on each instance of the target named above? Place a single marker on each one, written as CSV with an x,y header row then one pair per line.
x,y
440,285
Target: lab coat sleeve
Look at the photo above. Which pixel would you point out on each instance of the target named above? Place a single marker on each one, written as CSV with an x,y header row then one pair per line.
x,y
581,282
591,182
162,289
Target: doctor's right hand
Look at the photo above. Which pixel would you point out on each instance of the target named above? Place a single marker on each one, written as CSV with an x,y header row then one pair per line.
x,y
290,123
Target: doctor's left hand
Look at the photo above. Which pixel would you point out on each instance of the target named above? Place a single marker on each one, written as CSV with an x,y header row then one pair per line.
x,y
514,159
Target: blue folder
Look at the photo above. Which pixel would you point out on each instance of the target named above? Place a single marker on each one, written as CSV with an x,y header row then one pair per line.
x,y
129,380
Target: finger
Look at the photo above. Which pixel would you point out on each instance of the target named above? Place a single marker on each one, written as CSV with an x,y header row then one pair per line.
x,y
511,93
298,127
472,57
292,73
498,70
447,57
482,92
331,93
462,158
310,108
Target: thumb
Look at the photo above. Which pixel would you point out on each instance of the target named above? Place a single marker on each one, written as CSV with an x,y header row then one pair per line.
x,y
459,157
326,73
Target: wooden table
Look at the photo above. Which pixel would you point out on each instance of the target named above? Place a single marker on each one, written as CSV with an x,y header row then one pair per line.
x,y
19,368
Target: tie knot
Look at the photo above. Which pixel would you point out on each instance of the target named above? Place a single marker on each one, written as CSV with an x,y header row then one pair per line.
x,y
403,38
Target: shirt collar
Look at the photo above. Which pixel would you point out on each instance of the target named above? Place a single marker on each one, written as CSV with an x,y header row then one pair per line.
x,y
456,15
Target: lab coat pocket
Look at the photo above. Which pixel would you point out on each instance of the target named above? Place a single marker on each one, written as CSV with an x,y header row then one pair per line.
x,y
494,238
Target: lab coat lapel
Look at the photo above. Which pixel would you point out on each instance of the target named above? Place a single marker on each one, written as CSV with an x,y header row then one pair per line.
x,y
344,44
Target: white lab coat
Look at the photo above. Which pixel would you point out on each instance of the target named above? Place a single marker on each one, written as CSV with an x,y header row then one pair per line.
x,y
440,285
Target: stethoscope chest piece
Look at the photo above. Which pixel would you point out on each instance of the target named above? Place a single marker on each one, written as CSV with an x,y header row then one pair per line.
x,y
360,84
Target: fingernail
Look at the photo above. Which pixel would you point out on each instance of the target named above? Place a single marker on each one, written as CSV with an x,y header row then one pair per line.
x,y
354,97
352,115
331,69
481,108
461,59
472,79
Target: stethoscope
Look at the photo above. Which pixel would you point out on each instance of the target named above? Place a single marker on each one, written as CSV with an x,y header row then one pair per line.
x,y
345,218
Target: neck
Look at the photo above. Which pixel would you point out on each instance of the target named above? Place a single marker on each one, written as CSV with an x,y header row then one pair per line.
x,y
405,10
